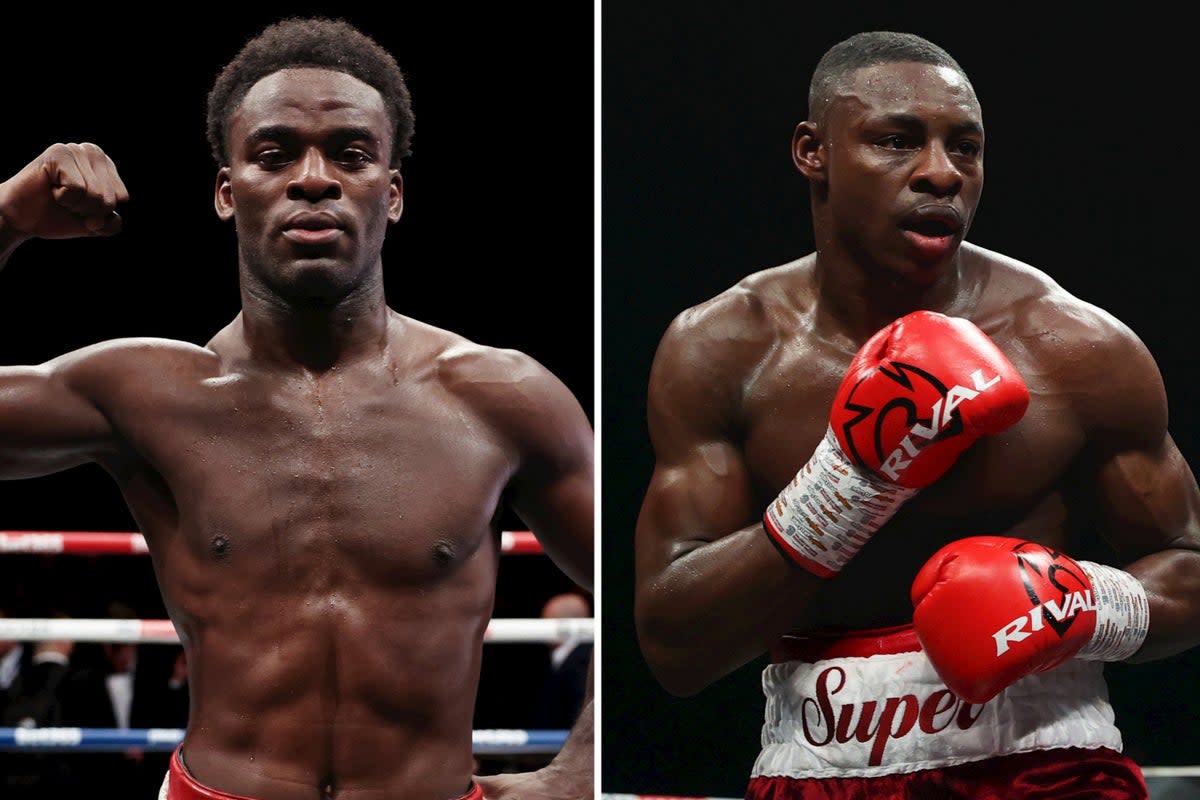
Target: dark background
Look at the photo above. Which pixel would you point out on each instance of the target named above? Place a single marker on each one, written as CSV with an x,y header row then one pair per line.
x,y
1089,175
496,240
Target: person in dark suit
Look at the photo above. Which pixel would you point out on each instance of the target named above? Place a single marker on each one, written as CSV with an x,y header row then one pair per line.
x,y
563,693
123,685
32,678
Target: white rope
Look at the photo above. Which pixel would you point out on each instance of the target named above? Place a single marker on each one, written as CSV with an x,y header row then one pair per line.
x,y
607,796
161,631
540,630
490,741
133,543
1172,772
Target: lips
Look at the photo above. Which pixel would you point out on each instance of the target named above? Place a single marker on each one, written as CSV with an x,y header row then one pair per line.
x,y
933,221
931,231
312,228
312,221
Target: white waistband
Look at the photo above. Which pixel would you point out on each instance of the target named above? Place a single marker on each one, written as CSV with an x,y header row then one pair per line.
x,y
884,714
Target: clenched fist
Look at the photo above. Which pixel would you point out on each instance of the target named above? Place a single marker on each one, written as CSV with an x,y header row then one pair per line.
x,y
70,190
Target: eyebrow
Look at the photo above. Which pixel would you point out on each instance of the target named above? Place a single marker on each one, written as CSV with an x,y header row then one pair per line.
x,y
911,120
283,132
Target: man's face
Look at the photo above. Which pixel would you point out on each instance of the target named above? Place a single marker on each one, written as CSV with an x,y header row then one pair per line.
x,y
904,154
308,184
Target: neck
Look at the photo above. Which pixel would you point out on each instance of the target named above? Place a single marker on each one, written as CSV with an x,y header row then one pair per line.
x,y
858,300
314,337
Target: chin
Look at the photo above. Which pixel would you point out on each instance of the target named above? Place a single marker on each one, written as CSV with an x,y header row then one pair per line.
x,y
317,282
926,275
924,266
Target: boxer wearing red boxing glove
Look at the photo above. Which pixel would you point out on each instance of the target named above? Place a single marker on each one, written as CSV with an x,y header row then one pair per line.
x,y
917,394
990,610
826,425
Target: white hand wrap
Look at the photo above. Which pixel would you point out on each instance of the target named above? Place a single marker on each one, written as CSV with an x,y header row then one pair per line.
x,y
1122,614
830,509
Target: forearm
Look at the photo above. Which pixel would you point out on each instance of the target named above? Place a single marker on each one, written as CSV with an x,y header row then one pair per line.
x,y
10,239
573,767
717,607
1172,582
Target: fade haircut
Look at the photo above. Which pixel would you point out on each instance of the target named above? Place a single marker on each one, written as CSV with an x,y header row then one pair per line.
x,y
866,50
311,42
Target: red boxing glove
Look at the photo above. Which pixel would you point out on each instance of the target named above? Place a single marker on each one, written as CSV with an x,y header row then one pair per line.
x,y
916,395
919,393
990,610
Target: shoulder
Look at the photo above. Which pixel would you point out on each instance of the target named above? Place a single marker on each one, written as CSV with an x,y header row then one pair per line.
x,y
1086,351
1112,377
134,365
509,389
745,314
1040,314
133,352
722,340
486,374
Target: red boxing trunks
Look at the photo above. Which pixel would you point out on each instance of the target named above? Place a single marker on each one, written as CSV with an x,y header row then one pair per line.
x,y
1066,774
866,716
180,785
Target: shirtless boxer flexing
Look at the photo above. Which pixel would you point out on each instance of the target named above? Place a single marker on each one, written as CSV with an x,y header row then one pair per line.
x,y
876,462
319,485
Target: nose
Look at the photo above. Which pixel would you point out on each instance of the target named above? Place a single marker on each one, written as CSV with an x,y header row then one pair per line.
x,y
314,179
936,173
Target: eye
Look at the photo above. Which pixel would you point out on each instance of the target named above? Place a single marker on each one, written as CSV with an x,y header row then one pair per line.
x,y
967,148
898,141
271,158
355,157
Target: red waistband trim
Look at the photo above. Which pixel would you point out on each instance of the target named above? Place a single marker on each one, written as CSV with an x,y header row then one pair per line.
x,y
812,646
184,787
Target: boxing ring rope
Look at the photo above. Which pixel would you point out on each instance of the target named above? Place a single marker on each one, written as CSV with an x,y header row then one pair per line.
x,y
486,742
162,631
132,544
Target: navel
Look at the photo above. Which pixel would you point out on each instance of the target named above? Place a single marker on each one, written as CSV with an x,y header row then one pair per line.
x,y
443,552
221,546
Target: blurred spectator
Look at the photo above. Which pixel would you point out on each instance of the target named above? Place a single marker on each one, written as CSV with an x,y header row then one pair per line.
x,y
562,694
126,685
32,679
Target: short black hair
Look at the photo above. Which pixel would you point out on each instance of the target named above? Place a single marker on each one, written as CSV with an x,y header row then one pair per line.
x,y
865,50
311,42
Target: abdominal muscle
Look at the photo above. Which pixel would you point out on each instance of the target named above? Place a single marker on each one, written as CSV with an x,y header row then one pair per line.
x,y
328,697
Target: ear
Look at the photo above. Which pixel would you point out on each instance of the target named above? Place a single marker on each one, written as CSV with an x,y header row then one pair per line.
x,y
808,151
395,197
223,195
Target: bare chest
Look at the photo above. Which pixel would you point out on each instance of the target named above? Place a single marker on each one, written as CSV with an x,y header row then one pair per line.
x,y
384,479
787,413
1015,483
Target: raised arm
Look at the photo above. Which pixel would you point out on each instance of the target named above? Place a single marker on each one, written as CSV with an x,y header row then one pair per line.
x,y
49,419
70,190
49,416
